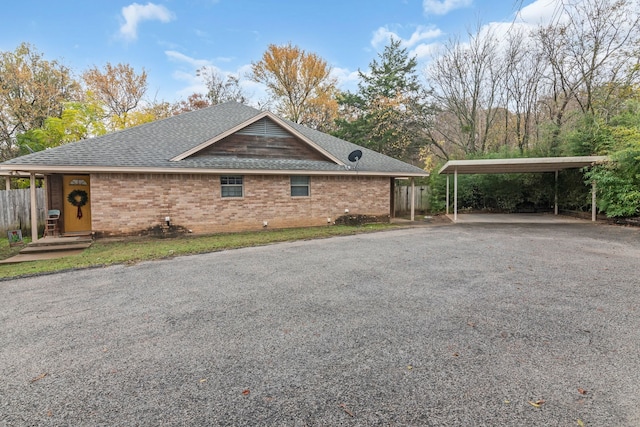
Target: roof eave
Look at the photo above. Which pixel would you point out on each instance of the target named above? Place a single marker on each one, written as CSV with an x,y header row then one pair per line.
x,y
520,165
48,169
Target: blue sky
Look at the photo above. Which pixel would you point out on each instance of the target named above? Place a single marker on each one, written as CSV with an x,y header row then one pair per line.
x,y
170,39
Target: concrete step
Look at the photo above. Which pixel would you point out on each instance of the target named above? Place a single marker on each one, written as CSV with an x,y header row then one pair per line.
x,y
56,241
31,249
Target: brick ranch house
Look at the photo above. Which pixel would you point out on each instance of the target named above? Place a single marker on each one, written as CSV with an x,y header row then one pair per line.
x,y
228,167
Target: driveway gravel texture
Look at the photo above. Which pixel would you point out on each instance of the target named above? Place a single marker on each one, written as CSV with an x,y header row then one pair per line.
x,y
452,325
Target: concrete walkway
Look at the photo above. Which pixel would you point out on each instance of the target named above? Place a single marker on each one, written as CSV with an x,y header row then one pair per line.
x,y
524,218
50,248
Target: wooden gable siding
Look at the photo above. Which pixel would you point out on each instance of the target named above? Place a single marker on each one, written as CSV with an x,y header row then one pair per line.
x,y
263,139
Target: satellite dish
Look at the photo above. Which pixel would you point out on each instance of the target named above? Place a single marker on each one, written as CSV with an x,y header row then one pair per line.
x,y
355,155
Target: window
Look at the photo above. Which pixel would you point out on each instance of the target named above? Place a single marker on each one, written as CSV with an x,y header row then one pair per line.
x,y
300,186
231,186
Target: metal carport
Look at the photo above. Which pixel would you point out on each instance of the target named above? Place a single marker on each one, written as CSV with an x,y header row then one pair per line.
x,y
519,165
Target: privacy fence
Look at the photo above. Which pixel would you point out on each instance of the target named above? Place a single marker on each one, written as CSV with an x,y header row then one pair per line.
x,y
403,199
15,210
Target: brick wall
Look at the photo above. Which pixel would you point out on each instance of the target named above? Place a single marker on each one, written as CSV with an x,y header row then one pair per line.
x,y
125,204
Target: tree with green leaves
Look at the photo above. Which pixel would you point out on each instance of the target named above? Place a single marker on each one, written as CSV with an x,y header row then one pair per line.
x,y
618,181
388,113
79,120
32,89
120,89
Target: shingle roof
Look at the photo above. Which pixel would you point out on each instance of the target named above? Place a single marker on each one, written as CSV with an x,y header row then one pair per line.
x,y
151,146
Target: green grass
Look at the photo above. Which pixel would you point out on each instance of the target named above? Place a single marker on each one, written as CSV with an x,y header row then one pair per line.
x,y
105,252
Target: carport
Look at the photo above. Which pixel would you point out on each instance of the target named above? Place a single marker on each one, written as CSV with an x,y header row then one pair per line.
x,y
519,165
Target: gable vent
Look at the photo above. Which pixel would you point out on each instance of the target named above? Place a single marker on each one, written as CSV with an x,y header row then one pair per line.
x,y
264,127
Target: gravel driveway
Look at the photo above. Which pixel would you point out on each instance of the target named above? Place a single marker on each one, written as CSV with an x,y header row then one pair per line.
x,y
458,325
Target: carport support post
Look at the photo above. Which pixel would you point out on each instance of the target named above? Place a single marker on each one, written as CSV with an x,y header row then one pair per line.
x,y
593,201
34,208
7,183
413,199
455,195
447,194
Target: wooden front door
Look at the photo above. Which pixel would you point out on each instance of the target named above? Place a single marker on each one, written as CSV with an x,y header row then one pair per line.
x,y
77,215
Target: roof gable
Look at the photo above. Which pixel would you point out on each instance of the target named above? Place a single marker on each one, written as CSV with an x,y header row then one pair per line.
x,y
263,139
268,122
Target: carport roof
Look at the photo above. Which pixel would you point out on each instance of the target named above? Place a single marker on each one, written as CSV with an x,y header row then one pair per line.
x,y
520,165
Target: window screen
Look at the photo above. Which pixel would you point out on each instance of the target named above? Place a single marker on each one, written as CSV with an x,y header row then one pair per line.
x,y
231,186
300,186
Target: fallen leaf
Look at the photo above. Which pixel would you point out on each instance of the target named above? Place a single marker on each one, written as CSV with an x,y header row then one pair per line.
x,y
455,355
507,401
409,367
49,413
473,325
39,377
580,423
537,403
202,380
344,407
245,392
582,391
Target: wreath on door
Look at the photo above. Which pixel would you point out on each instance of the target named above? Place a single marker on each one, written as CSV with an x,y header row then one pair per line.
x,y
78,198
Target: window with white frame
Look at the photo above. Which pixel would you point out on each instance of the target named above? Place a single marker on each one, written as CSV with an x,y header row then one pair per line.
x,y
300,186
231,186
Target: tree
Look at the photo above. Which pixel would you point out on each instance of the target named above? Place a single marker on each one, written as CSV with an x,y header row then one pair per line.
x,y
590,51
79,120
195,101
119,88
523,73
465,79
31,90
297,81
221,89
618,181
388,113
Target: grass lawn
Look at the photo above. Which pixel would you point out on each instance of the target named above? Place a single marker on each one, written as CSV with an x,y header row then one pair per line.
x,y
105,252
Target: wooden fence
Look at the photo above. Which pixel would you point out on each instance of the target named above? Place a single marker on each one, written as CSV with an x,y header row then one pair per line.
x,y
15,210
403,199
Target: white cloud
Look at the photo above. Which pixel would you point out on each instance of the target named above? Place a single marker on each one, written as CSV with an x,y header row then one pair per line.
x,y
425,51
382,36
176,56
540,12
135,13
347,80
194,83
442,7
423,33
415,43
